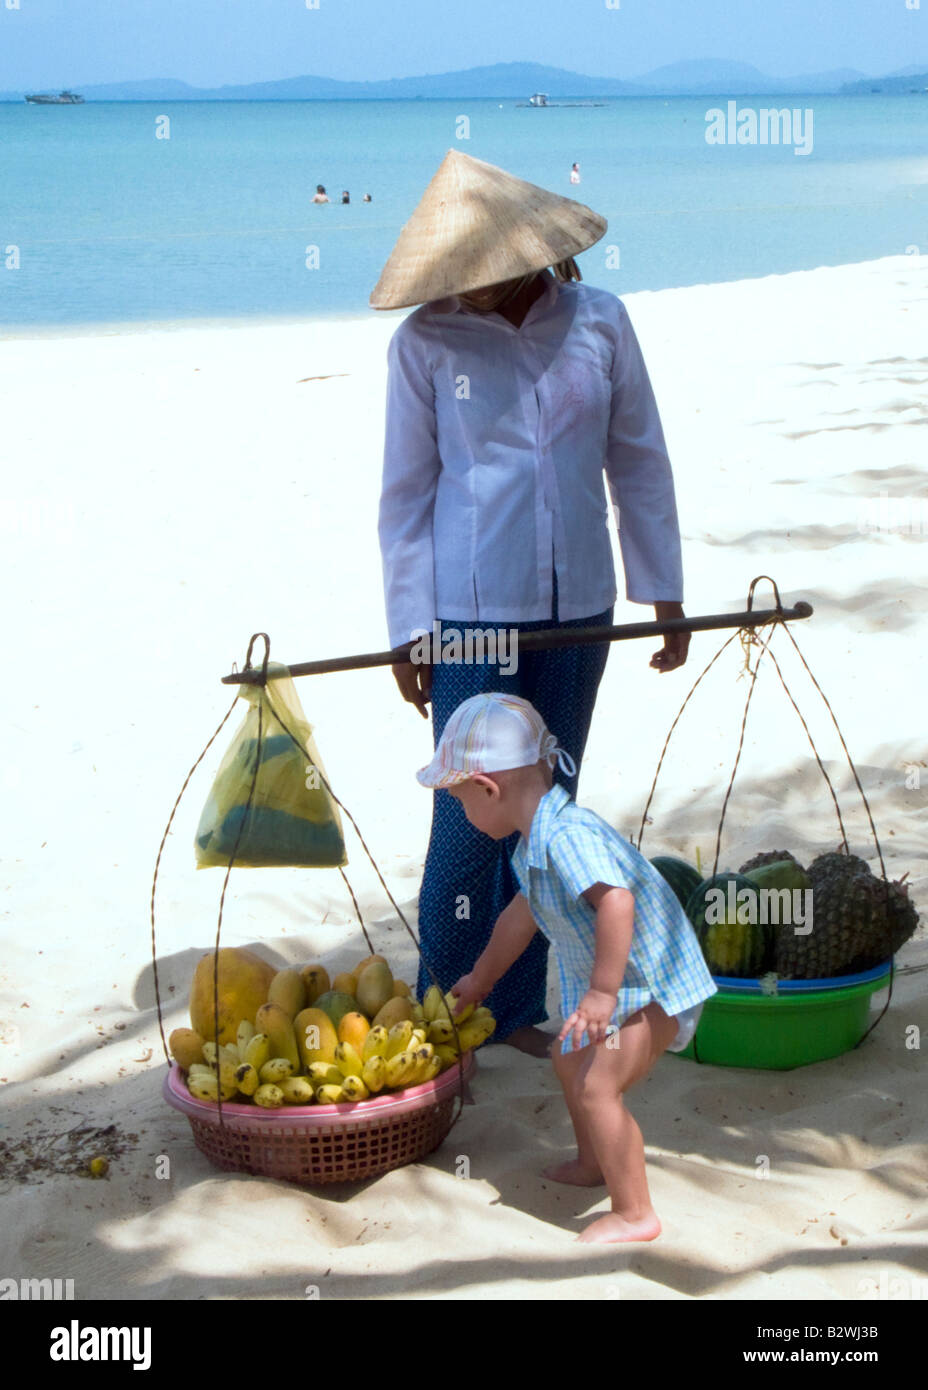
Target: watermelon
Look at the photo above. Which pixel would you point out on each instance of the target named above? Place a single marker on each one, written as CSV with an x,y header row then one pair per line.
x,y
724,911
682,877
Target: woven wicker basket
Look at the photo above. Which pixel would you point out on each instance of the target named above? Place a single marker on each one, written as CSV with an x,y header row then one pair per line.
x,y
316,1144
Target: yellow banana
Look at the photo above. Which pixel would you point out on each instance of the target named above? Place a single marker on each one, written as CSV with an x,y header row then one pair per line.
x,y
270,1097
207,1087
243,1037
330,1095
450,1002
375,1044
472,1035
324,1074
431,1003
296,1090
432,1068
275,1070
398,1039
227,1051
418,1015
398,1069
419,1036
447,1055
355,1089
374,1074
247,1079
258,1051
441,1031
347,1060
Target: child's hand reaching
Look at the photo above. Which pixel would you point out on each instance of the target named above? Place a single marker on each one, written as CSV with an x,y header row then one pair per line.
x,y
592,1016
468,990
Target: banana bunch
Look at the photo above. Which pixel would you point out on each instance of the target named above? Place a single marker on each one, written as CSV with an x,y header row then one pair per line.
x,y
369,1057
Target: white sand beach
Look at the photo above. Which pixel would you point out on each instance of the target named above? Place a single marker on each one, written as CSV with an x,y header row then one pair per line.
x,y
170,491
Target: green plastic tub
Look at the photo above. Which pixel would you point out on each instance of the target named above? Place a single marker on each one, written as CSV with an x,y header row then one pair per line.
x,y
743,1027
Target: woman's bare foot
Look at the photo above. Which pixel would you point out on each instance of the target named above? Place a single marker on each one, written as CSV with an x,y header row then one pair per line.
x,y
612,1228
532,1040
575,1173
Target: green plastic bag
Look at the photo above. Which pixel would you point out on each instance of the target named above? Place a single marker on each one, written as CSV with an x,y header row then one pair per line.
x,y
293,820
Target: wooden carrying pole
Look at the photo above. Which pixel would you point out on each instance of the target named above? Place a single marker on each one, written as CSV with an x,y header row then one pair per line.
x,y
545,639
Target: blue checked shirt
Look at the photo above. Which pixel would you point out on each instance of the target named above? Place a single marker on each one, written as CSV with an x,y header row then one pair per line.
x,y
569,849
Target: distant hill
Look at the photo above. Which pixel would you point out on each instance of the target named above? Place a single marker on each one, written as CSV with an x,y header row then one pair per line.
x,y
910,80
709,77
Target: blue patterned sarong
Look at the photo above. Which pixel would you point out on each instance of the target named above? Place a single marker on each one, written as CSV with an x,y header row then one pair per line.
x,y
462,862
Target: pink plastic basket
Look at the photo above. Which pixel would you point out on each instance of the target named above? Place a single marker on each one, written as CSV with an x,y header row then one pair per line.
x,y
315,1144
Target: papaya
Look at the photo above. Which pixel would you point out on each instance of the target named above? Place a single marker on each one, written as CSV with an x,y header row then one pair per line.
x,y
288,990
277,1024
244,981
394,1011
318,1045
336,1003
353,1029
374,988
316,982
186,1047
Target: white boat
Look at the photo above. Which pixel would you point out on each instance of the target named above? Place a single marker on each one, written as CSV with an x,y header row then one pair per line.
x,y
539,99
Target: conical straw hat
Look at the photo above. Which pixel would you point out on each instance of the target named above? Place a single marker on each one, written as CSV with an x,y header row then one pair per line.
x,y
477,225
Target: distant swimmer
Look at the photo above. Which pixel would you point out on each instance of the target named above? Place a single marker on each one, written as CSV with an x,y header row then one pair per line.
x,y
575,173
367,198
321,195
345,198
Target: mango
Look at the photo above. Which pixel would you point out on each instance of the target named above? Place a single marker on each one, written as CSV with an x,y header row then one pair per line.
x,y
272,1020
394,1011
315,981
336,1004
345,983
186,1047
374,988
353,1029
244,980
320,1045
401,987
362,964
287,990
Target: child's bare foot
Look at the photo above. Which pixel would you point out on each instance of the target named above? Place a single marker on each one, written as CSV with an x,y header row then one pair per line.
x,y
575,1173
612,1228
533,1040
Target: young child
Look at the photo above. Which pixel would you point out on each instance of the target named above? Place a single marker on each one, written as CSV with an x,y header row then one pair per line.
x,y
633,978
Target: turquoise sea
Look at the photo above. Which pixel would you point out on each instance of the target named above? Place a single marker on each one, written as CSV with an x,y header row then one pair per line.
x,y
101,221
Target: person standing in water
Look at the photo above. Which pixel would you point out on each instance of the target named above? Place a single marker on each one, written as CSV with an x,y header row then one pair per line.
x,y
510,391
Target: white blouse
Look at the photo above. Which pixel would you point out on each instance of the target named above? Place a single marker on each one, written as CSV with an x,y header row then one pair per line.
x,y
495,446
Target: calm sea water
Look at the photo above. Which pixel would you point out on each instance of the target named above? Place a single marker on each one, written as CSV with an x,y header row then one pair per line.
x,y
112,224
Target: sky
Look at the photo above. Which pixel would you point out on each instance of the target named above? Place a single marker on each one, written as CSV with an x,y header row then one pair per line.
x,y
211,42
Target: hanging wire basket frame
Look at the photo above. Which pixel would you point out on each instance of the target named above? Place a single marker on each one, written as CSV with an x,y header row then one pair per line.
x,y
749,638
361,1142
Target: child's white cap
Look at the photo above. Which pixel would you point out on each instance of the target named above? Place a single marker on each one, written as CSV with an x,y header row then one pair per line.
x,y
492,733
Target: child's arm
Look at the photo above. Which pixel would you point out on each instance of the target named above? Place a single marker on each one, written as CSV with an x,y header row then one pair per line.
x,y
515,927
615,921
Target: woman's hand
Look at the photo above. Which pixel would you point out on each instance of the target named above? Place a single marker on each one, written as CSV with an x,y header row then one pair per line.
x,y
415,681
592,1016
676,644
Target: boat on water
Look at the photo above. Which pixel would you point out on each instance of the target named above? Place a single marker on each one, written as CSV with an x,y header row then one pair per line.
x,y
51,99
541,99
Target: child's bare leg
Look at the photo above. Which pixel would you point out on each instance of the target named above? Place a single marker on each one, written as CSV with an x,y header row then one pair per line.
x,y
584,1170
601,1081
